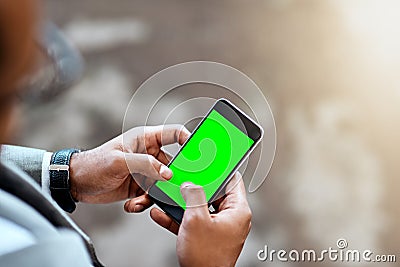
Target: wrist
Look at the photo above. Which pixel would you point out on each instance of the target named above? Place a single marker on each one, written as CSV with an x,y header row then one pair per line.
x,y
75,175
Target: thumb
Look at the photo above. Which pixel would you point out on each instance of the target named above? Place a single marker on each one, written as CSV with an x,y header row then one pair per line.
x,y
195,198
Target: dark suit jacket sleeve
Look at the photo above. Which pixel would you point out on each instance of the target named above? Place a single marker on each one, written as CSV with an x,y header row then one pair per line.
x,y
28,159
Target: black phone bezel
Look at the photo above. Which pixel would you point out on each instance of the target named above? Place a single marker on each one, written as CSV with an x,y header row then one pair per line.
x,y
238,118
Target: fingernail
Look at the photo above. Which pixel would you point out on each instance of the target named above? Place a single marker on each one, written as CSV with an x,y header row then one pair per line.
x,y
126,206
186,184
165,172
138,208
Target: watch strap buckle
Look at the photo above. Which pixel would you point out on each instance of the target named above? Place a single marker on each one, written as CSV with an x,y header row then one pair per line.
x,y
58,167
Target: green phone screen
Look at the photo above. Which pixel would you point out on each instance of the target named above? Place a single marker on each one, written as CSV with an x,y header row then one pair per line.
x,y
207,158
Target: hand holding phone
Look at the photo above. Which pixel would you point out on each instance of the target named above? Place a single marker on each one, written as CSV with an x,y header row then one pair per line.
x,y
211,155
206,239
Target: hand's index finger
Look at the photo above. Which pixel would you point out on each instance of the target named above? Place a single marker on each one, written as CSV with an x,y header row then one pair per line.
x,y
164,220
170,134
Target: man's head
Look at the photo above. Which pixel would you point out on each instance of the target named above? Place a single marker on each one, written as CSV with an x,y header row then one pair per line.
x,y
17,24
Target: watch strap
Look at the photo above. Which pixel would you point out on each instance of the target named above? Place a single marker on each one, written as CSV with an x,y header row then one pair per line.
x,y
59,178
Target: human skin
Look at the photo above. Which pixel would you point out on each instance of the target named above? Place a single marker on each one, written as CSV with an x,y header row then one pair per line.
x,y
123,167
105,174
206,239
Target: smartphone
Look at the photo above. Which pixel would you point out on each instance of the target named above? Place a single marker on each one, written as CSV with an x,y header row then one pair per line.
x,y
210,157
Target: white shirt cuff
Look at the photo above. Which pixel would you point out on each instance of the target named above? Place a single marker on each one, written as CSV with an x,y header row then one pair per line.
x,y
46,173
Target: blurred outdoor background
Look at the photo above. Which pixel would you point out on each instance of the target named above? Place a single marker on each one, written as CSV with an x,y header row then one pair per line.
x,y
331,73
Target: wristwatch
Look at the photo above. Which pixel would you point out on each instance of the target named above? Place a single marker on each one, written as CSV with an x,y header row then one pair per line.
x,y
59,179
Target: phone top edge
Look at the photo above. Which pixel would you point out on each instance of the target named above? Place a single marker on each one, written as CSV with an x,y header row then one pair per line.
x,y
249,124
244,114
